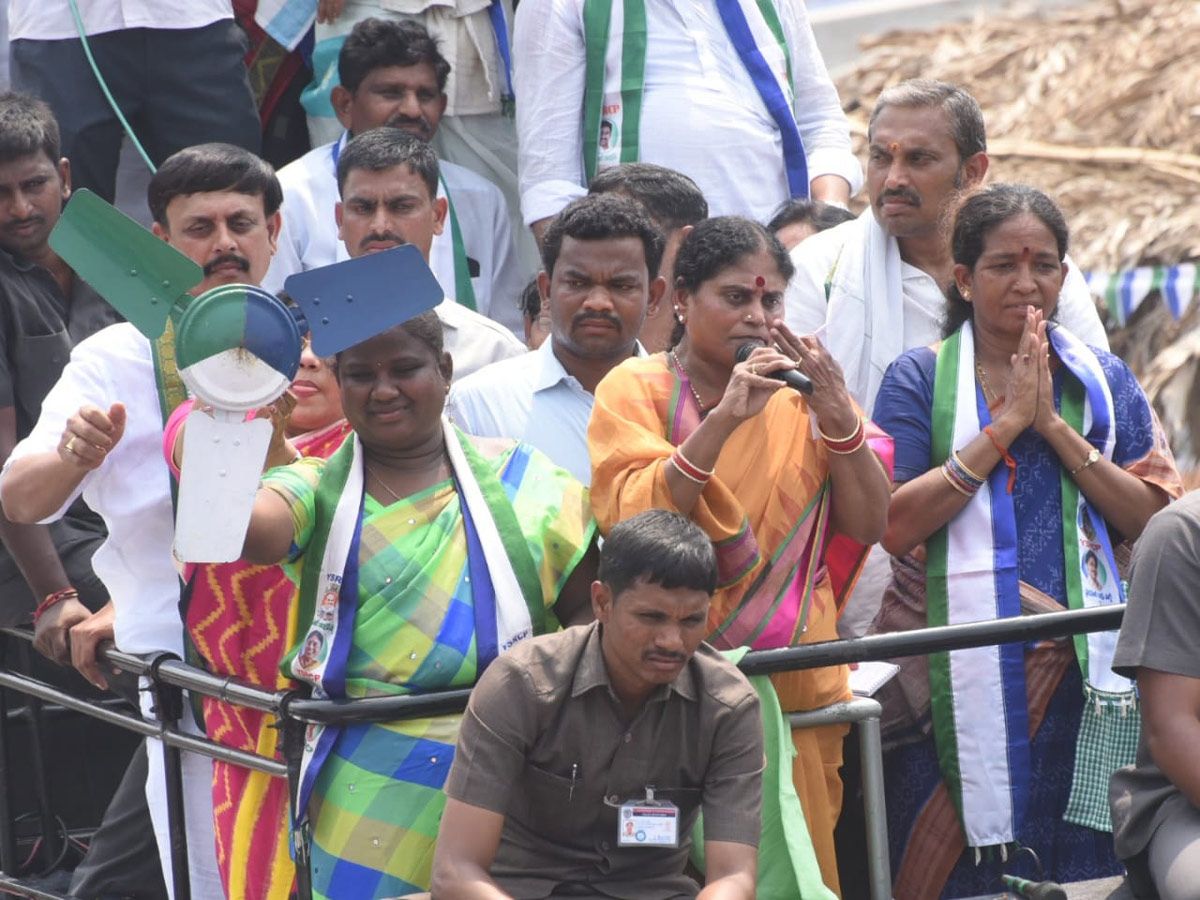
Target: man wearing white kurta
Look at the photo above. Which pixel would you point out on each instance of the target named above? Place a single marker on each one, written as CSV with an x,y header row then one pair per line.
x,y
874,287
701,111
100,436
392,74
601,258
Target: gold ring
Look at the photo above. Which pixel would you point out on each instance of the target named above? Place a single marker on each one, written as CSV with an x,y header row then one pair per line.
x,y
754,368
70,448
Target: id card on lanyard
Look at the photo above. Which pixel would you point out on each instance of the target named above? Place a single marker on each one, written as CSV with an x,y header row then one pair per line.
x,y
648,822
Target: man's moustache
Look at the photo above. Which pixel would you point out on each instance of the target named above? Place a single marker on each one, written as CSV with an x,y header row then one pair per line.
x,y
240,261
14,224
593,317
406,123
666,657
380,239
911,196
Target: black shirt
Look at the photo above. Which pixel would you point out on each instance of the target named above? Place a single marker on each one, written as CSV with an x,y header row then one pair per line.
x,y
38,328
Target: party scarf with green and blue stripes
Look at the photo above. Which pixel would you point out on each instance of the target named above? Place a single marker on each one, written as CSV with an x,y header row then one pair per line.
x,y
980,714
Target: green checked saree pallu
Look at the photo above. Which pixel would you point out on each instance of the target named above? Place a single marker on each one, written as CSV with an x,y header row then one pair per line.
x,y
416,601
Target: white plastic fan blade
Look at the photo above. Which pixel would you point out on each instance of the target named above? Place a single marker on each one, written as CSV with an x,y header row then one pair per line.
x,y
222,460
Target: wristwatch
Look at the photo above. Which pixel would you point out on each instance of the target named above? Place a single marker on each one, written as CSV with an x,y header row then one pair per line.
x,y
1093,456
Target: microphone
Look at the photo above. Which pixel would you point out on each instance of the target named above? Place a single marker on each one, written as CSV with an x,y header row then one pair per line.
x,y
1034,890
793,378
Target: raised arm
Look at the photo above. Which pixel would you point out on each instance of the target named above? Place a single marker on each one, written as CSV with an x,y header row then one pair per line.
x,y
926,502
269,537
861,488
38,485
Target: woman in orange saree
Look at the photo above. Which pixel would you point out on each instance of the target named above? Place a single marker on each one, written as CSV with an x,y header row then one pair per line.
x,y
788,503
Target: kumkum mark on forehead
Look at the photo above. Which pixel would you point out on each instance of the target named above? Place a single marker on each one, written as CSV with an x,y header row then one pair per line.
x,y
760,281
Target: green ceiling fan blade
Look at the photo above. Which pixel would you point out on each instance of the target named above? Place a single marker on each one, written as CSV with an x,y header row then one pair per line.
x,y
142,276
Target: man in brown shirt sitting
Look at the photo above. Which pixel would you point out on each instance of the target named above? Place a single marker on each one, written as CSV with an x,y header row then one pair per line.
x,y
585,756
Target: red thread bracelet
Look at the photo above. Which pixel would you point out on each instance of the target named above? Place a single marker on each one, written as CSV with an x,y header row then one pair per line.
x,y
1004,455
52,600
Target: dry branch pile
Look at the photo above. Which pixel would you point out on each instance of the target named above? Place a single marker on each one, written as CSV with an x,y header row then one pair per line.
x,y
1098,105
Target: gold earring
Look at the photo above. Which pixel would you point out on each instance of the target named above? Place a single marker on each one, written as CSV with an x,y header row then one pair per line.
x,y
966,292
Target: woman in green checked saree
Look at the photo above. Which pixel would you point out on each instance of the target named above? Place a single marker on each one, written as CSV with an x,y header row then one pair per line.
x,y
1026,463
420,554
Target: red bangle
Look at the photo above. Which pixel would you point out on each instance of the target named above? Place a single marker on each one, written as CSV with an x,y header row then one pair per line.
x,y
54,599
1004,455
689,469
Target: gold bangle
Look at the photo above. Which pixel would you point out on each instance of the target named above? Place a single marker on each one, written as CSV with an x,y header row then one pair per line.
x,y
842,440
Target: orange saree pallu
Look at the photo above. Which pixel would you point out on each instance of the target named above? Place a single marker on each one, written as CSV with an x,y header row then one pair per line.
x,y
766,509
242,621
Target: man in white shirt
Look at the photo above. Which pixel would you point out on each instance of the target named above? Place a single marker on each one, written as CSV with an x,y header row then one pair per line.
x,y
752,118
100,436
387,180
392,74
675,205
601,257
174,67
874,287
877,283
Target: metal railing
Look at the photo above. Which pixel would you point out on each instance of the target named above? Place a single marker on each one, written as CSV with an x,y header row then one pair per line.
x,y
169,678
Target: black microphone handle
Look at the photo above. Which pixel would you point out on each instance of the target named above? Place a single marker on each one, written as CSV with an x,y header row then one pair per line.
x,y
793,378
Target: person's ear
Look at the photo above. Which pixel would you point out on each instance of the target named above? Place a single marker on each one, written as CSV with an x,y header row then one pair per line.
x,y
974,169
446,367
274,223
543,282
602,600
64,175
160,232
962,281
439,214
342,101
658,288
337,217
681,299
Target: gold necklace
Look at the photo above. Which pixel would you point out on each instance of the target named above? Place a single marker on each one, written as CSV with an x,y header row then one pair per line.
x,y
983,382
384,485
691,384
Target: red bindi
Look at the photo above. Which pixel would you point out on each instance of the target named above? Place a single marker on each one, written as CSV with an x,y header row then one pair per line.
x,y
760,281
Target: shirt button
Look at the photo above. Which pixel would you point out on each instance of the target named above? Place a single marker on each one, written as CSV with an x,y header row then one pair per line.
x,y
628,737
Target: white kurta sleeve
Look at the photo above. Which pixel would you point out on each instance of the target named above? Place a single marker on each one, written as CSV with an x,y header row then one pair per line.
x,y
548,68
823,125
